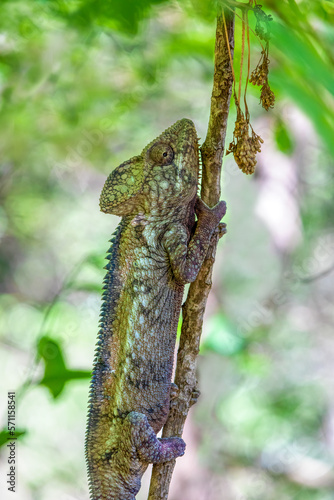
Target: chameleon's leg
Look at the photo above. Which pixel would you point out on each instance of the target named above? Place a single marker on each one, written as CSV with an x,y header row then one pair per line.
x,y
186,258
149,448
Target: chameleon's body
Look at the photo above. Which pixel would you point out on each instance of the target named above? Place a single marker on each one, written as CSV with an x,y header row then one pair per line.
x,y
152,256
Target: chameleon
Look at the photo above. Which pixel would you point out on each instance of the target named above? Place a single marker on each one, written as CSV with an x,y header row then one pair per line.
x,y
157,248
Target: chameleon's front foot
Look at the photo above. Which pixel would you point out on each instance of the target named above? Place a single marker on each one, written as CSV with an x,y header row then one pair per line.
x,y
210,217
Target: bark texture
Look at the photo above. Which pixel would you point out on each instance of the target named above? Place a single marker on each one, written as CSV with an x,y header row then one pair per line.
x,y
194,307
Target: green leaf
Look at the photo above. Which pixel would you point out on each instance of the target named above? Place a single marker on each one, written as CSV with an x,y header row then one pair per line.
x,y
50,351
328,6
56,374
116,14
95,260
304,72
5,437
204,9
303,56
283,138
55,370
310,100
222,337
56,382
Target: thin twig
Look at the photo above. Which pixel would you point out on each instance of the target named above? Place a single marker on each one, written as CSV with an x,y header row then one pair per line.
x,y
242,54
248,67
240,17
322,274
228,48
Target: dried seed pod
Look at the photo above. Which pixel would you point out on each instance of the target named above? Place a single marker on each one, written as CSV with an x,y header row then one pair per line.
x,y
267,97
244,146
259,77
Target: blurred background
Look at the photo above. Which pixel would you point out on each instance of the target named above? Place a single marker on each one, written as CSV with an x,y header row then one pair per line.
x,y
85,85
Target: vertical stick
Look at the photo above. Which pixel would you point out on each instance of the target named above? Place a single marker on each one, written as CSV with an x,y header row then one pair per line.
x,y
194,307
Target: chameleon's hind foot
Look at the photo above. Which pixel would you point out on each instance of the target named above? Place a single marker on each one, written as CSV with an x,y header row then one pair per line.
x,y
149,448
221,229
174,391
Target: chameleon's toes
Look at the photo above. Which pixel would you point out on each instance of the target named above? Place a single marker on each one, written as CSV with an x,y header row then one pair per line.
x,y
181,447
212,215
194,397
200,206
221,229
178,445
171,448
220,209
174,391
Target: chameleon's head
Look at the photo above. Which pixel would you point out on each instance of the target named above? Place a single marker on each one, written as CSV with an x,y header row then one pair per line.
x,y
164,176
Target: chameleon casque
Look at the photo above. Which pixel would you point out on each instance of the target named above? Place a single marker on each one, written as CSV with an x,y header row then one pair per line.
x,y
156,249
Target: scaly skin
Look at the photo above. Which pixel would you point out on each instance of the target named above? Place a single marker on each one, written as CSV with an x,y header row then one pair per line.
x,y
154,253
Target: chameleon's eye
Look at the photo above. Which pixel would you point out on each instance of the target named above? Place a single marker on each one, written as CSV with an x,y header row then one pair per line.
x,y
161,153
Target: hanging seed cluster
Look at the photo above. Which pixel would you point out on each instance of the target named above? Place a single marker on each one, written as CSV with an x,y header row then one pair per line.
x,y
267,97
260,74
259,77
244,145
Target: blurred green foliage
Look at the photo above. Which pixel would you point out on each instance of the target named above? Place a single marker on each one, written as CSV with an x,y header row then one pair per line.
x,y
84,85
56,374
283,138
